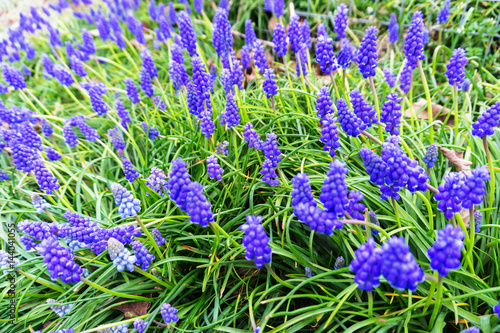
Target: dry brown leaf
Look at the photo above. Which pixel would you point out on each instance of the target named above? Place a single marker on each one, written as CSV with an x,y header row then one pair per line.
x,y
134,309
439,112
272,24
457,159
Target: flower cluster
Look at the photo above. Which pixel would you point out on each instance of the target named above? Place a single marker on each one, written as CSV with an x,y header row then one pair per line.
x,y
159,240
455,69
127,205
141,254
329,134
213,168
446,252
391,113
59,261
120,255
367,55
60,310
485,124
367,265
169,313
256,241
363,110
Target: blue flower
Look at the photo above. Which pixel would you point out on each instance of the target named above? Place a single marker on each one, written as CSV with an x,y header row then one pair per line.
x,y
367,265
363,110
279,40
59,261
339,263
472,329
431,156
140,325
345,55
367,55
373,219
127,205
60,310
250,37
325,56
159,240
146,84
77,66
496,308
95,94
455,69
444,13
45,179
406,77
269,84
390,78
278,7
259,56
197,205
13,76
178,183
340,21
130,172
391,113
148,64
269,174
329,134
3,175
294,35
473,189
207,124
132,93
447,249
29,136
356,209
324,103
245,57
393,29
116,138
399,266
252,137
302,61
188,36
334,190
271,150
151,132
213,168
222,37
120,256
414,44
485,124
478,221
449,194
141,254
222,148
305,34
350,123
156,181
256,241
169,313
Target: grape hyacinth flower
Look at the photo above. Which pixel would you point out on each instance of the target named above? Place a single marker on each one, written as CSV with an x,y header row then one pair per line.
x,y
7,262
485,124
213,168
406,77
169,313
294,33
250,37
130,172
323,103
39,203
271,150
325,56
142,256
367,55
478,221
363,110
472,329
96,101
301,192
160,104
473,189
156,181
146,84
334,190
329,134
3,175
122,113
268,173
3,88
222,148
245,57
431,156
259,56
448,196
197,205
393,29
62,75
45,179
280,40
356,208
120,256
148,64
60,310
465,85
340,21
390,78
414,45
178,183
127,205
116,138
446,252
77,66
496,309
278,7
132,93
252,137
172,14
455,69
70,136
269,84
367,265
140,325
256,241
88,132
207,125
59,261
399,266
345,55
374,220
309,273
391,113
13,76
23,156
425,36
349,122
339,263
222,39
305,33
150,130
186,31
159,240
302,61
444,14
29,136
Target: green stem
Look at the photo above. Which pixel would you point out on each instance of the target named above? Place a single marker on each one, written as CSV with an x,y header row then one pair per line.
x,y
455,107
397,214
437,305
375,99
492,178
290,83
216,226
149,236
428,98
370,304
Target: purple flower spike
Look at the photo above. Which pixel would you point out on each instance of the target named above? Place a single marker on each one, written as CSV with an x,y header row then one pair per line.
x,y
367,265
88,132
250,37
356,208
465,85
259,55
116,139
150,130
146,84
269,85
447,249
367,55
399,266
444,14
13,76
120,256
188,36
207,124
142,256
301,192
302,61
30,136
132,93
329,134
39,203
340,21
406,77
363,110
59,261
77,66
256,241
95,95
374,165
169,313
325,56
334,190
280,40
70,136
52,154
148,64
178,183
140,325
449,194
345,55
431,156
271,150
496,308
172,14
391,113
222,37
130,172
245,57
414,44
350,123
230,116
323,103
455,69
393,29
487,121
252,137
278,7
197,205
268,173
156,181
45,179
390,78
294,33
222,148
474,187
305,34
128,205
213,168
159,240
